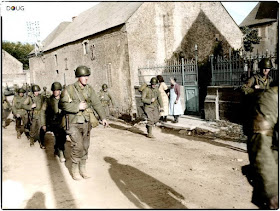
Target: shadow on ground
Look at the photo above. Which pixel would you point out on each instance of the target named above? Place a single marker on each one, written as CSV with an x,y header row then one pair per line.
x,y
37,201
143,190
62,194
132,129
209,140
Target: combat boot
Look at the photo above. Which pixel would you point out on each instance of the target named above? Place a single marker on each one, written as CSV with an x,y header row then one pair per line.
x,y
18,135
75,171
149,130
61,156
83,171
31,142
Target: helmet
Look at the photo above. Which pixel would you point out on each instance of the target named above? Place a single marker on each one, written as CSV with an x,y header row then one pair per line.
x,y
104,86
21,90
154,81
265,63
36,88
44,88
56,86
82,71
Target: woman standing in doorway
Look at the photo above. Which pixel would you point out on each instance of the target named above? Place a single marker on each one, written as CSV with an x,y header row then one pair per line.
x,y
163,89
175,107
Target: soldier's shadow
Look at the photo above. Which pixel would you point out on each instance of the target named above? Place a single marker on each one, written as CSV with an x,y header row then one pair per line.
x,y
130,129
37,201
142,189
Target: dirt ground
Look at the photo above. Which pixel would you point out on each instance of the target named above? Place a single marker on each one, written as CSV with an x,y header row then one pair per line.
x,y
127,170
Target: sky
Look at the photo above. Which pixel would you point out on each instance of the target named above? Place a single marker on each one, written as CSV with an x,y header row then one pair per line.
x,y
50,14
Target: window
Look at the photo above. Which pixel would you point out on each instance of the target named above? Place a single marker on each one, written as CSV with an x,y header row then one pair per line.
x,y
109,74
55,59
92,48
85,46
66,68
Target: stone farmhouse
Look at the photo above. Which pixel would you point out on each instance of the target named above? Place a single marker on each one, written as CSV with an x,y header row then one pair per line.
x,y
264,18
12,71
116,38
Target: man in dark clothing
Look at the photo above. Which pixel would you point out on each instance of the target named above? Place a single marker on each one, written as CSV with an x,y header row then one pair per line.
x,y
53,120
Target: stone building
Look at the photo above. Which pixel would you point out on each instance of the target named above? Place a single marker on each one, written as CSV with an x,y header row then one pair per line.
x,y
116,38
12,72
264,18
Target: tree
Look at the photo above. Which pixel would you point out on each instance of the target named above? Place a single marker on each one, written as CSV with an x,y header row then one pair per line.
x,y
250,37
19,51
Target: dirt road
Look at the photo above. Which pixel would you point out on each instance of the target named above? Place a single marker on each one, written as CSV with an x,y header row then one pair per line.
x,y
128,171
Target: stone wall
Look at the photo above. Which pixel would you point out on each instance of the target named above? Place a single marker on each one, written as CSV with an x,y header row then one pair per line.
x,y
161,31
12,72
107,58
223,103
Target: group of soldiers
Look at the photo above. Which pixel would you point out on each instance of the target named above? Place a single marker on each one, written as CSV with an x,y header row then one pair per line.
x,y
69,110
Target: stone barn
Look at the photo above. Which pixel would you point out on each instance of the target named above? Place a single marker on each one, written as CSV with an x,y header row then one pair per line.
x,y
116,38
12,71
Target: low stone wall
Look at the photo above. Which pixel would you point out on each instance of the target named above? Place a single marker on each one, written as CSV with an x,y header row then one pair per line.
x,y
223,103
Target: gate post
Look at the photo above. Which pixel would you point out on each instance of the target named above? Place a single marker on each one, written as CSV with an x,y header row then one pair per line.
x,y
183,72
212,70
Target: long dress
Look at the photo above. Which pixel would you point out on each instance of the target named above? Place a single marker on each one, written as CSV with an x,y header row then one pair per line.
x,y
174,109
164,97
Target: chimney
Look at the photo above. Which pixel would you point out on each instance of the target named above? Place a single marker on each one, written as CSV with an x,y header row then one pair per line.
x,y
73,18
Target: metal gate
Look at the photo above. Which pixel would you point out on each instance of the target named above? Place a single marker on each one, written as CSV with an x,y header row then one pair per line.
x,y
186,73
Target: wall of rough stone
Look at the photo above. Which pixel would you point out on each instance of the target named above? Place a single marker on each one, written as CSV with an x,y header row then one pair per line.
x,y
108,61
12,72
161,31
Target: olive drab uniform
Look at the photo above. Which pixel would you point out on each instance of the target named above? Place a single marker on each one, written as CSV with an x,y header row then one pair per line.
x,y
263,149
53,119
77,121
258,79
21,105
151,108
36,132
106,98
6,110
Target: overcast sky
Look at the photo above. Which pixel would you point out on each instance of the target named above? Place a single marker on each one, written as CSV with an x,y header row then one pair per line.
x,y
50,14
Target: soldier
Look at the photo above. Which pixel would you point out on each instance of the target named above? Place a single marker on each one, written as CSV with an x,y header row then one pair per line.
x,y
21,104
251,90
105,98
46,94
152,101
263,150
6,110
78,100
36,131
52,120
259,81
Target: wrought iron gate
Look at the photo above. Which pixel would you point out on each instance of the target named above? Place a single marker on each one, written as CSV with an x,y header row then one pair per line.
x,y
186,73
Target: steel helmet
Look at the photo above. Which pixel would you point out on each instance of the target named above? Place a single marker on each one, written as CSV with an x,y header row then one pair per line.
x,y
56,86
82,71
104,86
36,88
154,81
21,90
265,63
